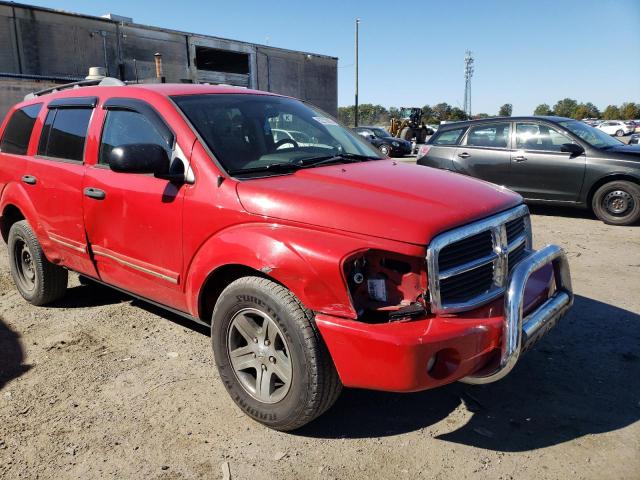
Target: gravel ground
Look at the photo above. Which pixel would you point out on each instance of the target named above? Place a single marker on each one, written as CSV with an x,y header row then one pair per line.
x,y
102,386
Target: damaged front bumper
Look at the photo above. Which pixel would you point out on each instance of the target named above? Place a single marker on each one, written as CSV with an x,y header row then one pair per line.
x,y
479,346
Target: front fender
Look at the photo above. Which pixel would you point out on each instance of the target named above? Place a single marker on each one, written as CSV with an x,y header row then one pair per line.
x,y
307,261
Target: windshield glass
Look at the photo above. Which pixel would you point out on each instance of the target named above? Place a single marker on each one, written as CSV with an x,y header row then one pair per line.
x,y
381,132
593,136
249,134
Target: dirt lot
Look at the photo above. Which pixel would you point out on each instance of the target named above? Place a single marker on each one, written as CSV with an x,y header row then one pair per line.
x,y
100,386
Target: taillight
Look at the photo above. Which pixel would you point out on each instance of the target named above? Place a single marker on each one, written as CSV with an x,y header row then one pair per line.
x,y
424,149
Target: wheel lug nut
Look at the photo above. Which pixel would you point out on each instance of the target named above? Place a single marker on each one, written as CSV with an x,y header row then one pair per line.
x,y
272,359
267,343
255,340
254,355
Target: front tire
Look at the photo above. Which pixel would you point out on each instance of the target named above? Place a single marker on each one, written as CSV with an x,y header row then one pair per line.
x,y
37,279
270,355
617,203
385,149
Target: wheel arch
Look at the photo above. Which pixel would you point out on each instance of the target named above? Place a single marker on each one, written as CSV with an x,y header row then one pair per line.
x,y
10,215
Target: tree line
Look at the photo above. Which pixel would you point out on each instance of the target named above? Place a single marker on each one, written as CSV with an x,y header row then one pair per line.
x,y
370,114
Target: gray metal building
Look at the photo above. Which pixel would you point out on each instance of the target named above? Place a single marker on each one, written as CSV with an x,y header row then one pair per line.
x,y
40,47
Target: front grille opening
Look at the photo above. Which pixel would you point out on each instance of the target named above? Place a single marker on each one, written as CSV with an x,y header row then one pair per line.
x,y
515,228
516,255
465,250
467,285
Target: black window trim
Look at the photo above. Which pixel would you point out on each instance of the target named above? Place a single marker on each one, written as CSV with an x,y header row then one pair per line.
x,y
465,136
557,128
84,147
26,153
73,102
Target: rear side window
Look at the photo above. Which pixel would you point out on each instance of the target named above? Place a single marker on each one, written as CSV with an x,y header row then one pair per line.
x,y
64,133
491,136
18,132
124,127
448,137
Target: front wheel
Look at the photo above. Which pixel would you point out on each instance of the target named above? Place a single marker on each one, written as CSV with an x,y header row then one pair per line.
x,y
270,355
37,279
617,203
386,150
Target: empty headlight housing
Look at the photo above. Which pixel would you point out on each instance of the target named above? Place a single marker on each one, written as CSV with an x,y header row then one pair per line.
x,y
386,286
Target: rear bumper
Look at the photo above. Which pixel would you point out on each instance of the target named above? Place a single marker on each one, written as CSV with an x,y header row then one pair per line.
x,y
479,346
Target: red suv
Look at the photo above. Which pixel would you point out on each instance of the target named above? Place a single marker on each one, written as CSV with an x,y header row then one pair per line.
x,y
317,264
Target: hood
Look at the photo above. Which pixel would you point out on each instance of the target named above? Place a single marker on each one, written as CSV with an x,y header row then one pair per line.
x,y
634,150
383,198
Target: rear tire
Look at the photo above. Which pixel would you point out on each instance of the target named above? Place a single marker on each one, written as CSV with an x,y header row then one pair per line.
x,y
270,355
37,279
407,134
619,133
617,203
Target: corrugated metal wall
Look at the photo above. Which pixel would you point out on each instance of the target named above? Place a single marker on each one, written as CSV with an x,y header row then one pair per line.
x,y
42,42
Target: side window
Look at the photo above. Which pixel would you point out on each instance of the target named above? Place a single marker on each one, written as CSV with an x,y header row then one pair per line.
x,y
123,127
492,136
64,133
533,136
18,132
448,137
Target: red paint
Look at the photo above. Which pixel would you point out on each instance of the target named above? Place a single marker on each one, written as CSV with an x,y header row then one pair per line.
x,y
163,242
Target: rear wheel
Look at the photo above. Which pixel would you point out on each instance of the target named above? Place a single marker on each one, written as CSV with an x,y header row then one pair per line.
x,y
617,203
38,280
619,133
270,356
407,134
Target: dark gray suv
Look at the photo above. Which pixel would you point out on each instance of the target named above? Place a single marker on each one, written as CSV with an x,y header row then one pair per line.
x,y
545,159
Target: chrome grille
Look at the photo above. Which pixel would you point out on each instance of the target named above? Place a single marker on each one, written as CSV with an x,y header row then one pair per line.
x,y
469,266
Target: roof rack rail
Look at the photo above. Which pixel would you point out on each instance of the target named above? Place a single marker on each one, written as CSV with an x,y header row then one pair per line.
x,y
103,82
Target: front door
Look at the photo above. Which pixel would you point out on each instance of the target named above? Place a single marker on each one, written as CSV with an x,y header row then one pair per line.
x,y
134,221
539,169
54,179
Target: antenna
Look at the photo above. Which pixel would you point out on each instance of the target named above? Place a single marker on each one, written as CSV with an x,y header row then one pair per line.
x,y
468,73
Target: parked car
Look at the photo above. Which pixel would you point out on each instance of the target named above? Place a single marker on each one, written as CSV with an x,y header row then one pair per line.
x,y
315,267
545,159
384,141
635,139
616,127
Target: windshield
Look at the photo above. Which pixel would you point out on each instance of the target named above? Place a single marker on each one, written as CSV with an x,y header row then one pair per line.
x,y
381,132
252,134
593,136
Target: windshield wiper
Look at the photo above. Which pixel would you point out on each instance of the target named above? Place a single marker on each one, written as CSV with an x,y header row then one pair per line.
x,y
272,167
325,159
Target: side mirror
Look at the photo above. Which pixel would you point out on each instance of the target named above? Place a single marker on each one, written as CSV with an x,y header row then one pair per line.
x,y
573,148
140,158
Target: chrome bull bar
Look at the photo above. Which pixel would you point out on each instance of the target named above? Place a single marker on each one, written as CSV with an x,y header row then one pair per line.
x,y
520,333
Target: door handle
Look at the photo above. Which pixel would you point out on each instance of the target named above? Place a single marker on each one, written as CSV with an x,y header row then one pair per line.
x,y
95,193
464,155
520,158
29,179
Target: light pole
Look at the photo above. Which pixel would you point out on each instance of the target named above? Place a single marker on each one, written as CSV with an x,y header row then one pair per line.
x,y
356,104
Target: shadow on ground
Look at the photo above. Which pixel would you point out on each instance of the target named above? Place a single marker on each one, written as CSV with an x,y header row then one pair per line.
x,y
581,379
11,355
558,211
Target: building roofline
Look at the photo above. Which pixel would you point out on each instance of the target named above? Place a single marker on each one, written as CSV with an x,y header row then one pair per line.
x,y
152,27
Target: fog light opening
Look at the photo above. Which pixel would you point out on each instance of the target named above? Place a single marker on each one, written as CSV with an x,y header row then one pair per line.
x,y
445,363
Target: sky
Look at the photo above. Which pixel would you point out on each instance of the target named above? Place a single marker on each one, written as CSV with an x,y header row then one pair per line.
x,y
526,52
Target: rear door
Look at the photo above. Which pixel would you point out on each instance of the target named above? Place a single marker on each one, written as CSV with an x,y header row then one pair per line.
x,y
134,221
539,169
54,178
442,149
485,152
